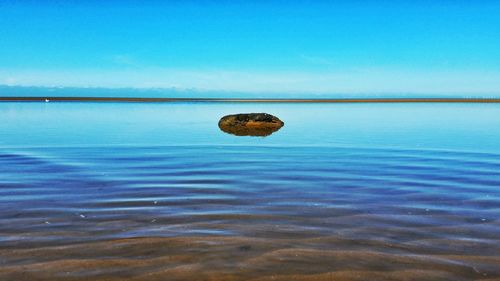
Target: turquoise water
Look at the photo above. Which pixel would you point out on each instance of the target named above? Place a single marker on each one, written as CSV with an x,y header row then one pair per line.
x,y
381,191
462,127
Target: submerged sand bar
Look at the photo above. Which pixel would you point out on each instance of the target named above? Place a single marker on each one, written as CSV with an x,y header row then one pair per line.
x,y
337,100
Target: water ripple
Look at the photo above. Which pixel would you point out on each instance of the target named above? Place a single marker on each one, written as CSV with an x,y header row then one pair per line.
x,y
381,200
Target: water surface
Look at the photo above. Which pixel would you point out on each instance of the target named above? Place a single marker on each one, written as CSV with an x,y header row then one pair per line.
x,y
157,192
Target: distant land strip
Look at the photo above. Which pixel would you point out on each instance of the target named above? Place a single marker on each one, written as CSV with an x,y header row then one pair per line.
x,y
336,100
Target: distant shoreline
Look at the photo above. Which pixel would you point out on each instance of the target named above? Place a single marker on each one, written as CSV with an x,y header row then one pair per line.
x,y
251,100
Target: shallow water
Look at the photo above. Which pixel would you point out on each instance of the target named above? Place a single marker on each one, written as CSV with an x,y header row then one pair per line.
x,y
157,192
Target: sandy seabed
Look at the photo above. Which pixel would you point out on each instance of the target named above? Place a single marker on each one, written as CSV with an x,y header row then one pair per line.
x,y
242,258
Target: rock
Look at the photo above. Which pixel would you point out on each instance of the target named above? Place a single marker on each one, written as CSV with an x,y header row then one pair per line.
x,y
250,124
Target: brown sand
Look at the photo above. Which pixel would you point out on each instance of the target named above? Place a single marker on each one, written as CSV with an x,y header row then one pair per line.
x,y
237,258
339,100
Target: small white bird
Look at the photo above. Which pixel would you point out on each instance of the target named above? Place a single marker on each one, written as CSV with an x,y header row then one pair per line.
x,y
46,100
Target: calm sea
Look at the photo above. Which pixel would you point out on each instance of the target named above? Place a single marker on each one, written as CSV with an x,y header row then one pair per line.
x,y
155,191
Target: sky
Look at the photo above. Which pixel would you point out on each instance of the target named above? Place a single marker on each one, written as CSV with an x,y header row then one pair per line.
x,y
365,47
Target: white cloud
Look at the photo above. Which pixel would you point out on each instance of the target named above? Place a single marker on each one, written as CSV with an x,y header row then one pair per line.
x,y
124,60
353,81
8,80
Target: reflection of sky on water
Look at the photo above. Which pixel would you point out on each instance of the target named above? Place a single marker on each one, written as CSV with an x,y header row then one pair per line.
x,y
444,126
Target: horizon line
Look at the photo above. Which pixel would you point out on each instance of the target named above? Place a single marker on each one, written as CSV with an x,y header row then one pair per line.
x,y
243,100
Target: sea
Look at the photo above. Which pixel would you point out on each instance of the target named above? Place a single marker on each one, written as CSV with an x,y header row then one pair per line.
x,y
156,191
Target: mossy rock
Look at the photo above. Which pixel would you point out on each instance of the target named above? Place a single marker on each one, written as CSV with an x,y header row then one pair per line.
x,y
250,124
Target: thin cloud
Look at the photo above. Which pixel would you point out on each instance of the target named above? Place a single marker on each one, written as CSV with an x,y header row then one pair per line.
x,y
367,81
317,60
124,60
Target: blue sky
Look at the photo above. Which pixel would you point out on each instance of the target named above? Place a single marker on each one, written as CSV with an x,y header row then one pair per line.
x,y
254,46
